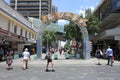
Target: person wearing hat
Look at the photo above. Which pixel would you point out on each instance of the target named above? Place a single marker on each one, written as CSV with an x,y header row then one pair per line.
x,y
26,57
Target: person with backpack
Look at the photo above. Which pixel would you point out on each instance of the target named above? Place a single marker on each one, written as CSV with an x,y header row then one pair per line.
x,y
98,55
49,60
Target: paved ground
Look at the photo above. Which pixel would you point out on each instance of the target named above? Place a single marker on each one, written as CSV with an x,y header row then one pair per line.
x,y
65,70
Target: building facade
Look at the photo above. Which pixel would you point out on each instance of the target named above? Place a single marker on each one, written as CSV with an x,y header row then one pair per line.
x,y
15,30
108,11
32,8
54,8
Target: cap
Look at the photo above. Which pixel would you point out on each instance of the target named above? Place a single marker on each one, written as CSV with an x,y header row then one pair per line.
x,y
26,49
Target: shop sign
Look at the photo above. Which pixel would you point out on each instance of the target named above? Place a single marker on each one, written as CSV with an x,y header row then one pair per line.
x,y
32,40
22,38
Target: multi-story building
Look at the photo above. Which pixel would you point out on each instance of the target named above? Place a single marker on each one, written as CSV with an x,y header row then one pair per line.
x,y
108,11
54,8
15,30
32,8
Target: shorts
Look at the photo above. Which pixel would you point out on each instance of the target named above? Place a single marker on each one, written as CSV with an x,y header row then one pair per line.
x,y
98,56
49,60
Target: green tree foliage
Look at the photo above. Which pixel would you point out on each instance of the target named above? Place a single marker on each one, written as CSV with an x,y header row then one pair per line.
x,y
92,23
49,36
67,46
72,31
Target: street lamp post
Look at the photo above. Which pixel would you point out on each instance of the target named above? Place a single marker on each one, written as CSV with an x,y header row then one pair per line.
x,y
47,43
16,5
39,9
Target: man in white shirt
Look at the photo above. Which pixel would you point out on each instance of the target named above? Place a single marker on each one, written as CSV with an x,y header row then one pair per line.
x,y
26,57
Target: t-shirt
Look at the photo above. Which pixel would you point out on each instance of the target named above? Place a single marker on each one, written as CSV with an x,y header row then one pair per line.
x,y
109,52
26,55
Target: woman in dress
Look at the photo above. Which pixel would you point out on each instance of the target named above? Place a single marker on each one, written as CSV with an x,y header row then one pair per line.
x,y
98,55
9,58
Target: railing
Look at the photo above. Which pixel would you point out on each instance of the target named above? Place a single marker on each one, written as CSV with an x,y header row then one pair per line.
x,y
7,33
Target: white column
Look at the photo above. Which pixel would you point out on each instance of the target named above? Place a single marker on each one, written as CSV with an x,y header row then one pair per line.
x,y
39,9
16,5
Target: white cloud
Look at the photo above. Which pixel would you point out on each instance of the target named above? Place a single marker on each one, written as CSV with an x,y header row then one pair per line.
x,y
63,22
82,10
92,8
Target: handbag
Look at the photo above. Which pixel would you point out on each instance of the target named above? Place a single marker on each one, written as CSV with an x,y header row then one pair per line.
x,y
46,57
101,53
113,59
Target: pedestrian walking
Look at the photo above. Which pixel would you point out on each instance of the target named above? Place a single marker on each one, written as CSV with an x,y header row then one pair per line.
x,y
98,55
9,58
26,57
1,54
109,53
60,50
104,54
49,60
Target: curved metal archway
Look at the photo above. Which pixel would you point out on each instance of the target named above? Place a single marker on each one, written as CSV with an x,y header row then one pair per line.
x,y
47,19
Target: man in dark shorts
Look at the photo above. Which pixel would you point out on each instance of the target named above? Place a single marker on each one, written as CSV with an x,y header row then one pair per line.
x,y
49,60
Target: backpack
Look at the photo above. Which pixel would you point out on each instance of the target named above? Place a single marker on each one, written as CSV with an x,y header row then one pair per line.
x,y
47,57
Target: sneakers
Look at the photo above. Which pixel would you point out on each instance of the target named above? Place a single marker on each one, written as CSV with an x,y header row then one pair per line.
x,y
50,70
47,70
99,63
26,67
53,70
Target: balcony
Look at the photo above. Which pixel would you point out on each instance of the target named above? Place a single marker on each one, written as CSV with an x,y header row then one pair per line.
x,y
28,7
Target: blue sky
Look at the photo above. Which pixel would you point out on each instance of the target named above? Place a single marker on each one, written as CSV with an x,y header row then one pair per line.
x,y
74,6
7,1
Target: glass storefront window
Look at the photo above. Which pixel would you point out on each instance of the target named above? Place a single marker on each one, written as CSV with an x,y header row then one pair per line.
x,y
15,29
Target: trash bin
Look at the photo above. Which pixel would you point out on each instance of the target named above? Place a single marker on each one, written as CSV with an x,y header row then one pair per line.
x,y
77,56
16,56
55,56
67,56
